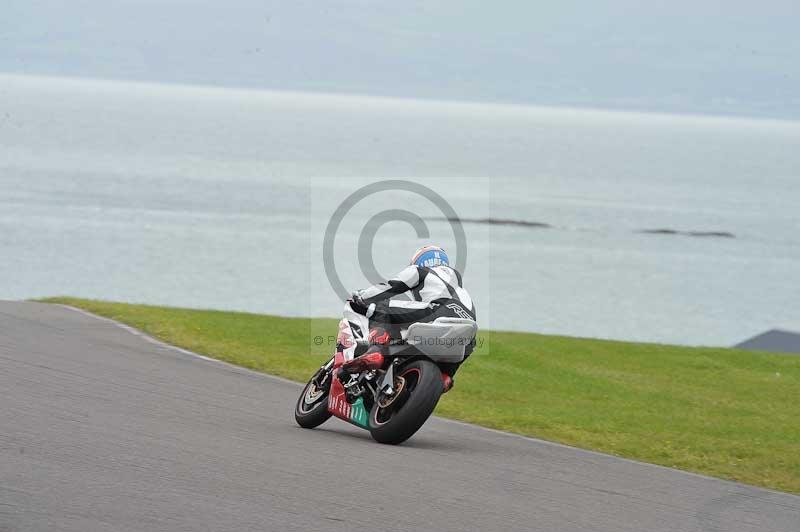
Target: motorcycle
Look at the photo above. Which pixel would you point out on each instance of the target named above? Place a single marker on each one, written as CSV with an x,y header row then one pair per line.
x,y
392,401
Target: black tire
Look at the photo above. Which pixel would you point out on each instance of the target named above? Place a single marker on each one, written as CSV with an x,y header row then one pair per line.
x,y
313,414
413,406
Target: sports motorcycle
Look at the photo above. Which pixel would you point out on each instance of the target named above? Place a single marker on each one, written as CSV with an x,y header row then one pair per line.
x,y
392,394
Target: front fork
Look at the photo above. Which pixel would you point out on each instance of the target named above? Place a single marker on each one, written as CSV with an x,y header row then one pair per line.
x,y
322,379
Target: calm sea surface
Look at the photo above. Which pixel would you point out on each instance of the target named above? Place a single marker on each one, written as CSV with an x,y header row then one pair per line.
x,y
217,198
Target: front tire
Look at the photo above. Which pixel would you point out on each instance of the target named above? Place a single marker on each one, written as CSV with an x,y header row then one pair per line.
x,y
399,420
311,409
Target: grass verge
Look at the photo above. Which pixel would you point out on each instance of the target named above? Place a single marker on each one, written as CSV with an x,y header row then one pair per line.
x,y
721,412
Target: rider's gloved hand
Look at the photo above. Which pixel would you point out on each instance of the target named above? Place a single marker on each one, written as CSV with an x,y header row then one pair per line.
x,y
357,303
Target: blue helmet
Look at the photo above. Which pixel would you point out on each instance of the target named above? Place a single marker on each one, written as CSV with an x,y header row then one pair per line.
x,y
430,257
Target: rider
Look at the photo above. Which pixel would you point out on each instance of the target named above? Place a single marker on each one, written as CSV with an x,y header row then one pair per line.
x,y
427,289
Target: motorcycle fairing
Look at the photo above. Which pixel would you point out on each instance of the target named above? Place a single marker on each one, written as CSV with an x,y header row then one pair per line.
x,y
354,413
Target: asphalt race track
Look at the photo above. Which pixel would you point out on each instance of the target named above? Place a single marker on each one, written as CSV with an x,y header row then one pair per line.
x,y
103,430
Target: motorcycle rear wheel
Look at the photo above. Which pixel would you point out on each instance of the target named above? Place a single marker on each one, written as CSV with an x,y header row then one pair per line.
x,y
414,404
311,409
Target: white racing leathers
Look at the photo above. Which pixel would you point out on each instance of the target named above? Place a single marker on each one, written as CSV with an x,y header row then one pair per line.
x,y
416,294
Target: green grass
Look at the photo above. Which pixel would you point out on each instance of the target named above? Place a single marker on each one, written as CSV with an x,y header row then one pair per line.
x,y
722,412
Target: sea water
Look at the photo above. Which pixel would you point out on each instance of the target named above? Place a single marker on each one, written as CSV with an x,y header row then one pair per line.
x,y
219,198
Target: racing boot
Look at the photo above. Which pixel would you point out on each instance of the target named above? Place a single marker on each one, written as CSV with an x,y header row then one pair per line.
x,y
373,359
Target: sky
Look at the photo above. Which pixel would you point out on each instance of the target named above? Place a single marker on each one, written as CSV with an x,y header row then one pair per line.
x,y
710,57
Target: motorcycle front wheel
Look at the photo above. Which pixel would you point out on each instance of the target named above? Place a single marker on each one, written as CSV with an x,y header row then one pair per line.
x,y
312,406
418,387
